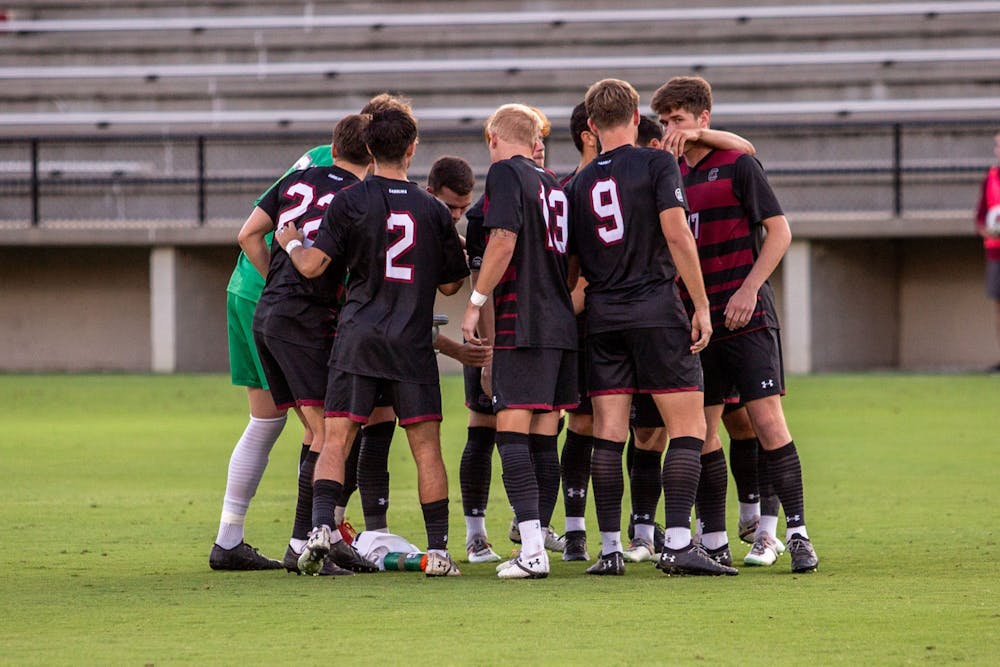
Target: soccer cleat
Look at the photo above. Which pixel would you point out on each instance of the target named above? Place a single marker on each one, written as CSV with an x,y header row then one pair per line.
x,y
659,536
329,569
576,546
639,550
554,541
747,529
242,557
693,560
804,558
722,555
763,553
346,556
347,531
314,554
441,565
515,532
523,567
612,564
481,551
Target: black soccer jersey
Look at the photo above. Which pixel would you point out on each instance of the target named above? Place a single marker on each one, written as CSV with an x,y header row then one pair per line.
x,y
729,196
533,306
291,307
399,243
616,202
475,234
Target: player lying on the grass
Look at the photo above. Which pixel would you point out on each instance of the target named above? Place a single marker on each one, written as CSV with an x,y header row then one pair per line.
x,y
525,270
742,235
629,229
400,246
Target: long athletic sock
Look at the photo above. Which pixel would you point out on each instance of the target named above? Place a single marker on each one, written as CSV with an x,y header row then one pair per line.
x,y
436,523
518,475
609,484
373,473
476,470
325,495
351,471
644,480
545,460
681,473
246,467
303,504
785,472
575,468
712,492
743,462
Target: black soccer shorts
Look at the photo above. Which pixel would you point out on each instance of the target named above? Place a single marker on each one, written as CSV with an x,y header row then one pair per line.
x,y
748,364
355,396
539,379
296,374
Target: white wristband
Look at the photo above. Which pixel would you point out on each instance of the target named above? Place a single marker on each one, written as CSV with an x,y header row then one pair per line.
x,y
477,298
292,245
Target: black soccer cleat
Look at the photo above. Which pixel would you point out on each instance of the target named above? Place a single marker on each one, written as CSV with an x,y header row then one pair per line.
x,y
612,564
804,558
329,569
659,536
722,555
693,560
346,556
242,557
576,546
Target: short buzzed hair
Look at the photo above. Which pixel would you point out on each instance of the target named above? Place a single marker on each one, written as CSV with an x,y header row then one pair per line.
x,y
349,139
453,173
516,123
389,134
690,93
649,130
611,102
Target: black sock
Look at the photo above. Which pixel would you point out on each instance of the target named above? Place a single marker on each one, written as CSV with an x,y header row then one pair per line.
x,y
303,504
786,475
351,471
630,451
326,492
303,453
476,470
644,481
681,472
436,523
712,492
373,473
575,467
518,474
743,462
609,483
545,460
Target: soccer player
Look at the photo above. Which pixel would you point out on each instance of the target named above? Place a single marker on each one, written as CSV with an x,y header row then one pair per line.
x,y
250,455
525,269
989,205
296,318
400,246
630,231
732,207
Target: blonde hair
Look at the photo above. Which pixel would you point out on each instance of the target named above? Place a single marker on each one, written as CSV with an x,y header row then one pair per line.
x,y
515,123
546,124
611,102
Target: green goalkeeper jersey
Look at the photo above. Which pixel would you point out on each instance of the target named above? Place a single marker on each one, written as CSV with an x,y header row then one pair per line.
x,y
246,282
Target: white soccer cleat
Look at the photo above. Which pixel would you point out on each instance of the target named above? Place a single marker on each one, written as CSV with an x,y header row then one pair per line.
x,y
481,551
315,552
764,551
639,550
441,565
554,541
522,567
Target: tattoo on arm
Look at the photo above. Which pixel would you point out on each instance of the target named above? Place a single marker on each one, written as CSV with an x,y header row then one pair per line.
x,y
503,233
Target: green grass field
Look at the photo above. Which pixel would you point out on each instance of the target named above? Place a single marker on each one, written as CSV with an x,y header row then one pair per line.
x,y
112,486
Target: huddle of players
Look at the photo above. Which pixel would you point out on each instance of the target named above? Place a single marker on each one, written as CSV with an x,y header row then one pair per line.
x,y
632,314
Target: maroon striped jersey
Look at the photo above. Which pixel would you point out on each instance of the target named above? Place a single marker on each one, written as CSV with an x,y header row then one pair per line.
x,y
728,197
532,300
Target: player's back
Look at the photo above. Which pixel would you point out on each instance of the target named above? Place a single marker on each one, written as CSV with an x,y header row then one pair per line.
x,y
400,244
616,202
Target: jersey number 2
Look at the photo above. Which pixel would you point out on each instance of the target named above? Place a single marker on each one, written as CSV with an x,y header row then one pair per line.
x,y
395,271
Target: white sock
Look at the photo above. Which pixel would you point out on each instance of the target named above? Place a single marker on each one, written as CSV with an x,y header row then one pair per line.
x,y
769,525
575,523
297,545
338,514
798,530
748,511
714,540
532,540
677,538
644,531
611,542
246,467
474,525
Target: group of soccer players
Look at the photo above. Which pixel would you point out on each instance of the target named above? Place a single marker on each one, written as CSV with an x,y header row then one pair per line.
x,y
641,276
